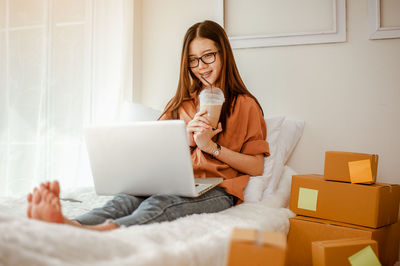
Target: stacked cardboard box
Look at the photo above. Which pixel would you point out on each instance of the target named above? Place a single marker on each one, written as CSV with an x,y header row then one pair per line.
x,y
339,252
351,167
344,203
306,230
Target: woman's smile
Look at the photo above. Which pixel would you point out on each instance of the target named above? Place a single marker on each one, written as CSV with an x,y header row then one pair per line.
x,y
206,74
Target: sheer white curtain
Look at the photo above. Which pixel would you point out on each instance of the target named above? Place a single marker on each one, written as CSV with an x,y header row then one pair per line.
x,y
63,64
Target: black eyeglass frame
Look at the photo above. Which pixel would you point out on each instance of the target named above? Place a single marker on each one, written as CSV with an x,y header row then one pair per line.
x,y
201,58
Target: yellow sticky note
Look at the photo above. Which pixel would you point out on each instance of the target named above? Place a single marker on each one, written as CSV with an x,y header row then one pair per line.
x,y
365,257
307,199
360,171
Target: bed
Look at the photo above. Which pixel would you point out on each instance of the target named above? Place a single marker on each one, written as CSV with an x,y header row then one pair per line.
x,y
192,240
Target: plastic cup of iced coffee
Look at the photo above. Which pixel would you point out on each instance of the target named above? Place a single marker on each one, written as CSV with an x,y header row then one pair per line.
x,y
211,99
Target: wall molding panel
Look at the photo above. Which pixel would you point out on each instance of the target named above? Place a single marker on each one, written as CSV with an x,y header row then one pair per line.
x,y
336,34
376,31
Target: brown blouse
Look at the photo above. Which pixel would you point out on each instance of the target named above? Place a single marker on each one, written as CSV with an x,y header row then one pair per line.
x,y
245,132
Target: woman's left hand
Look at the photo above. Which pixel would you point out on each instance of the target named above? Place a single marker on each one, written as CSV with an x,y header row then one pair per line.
x,y
204,137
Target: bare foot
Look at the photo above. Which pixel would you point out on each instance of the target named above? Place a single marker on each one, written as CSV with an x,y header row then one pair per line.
x,y
54,187
44,205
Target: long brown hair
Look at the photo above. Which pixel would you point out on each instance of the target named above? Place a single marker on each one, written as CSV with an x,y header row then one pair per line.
x,y
230,81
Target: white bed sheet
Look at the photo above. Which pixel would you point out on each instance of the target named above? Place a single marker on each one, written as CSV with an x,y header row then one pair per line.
x,y
193,240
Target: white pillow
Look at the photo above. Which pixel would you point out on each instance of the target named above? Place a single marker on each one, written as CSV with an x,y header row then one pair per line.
x,y
131,111
290,134
254,189
280,197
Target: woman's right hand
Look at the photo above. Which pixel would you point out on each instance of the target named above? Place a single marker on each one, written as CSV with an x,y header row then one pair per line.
x,y
197,125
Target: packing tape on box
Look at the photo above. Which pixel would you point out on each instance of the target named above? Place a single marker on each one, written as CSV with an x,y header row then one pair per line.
x,y
390,186
259,238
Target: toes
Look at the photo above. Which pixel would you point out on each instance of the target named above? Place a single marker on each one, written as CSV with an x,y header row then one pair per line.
x,y
51,198
56,203
45,185
29,212
29,209
36,196
47,196
55,188
29,197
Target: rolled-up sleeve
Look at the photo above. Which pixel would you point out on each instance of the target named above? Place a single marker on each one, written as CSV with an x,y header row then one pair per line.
x,y
255,140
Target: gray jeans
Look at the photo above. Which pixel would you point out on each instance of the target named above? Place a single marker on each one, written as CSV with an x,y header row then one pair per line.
x,y
127,210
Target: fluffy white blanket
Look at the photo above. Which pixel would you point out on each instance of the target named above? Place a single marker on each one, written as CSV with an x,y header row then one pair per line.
x,y
192,240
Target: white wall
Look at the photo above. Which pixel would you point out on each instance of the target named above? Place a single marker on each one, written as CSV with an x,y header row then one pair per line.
x,y
347,93
164,25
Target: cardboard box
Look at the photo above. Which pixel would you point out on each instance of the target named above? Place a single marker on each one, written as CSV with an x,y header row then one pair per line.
x,y
305,230
338,252
252,247
351,167
373,205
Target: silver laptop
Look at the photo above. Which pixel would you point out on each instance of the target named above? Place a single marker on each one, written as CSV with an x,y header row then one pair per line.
x,y
143,158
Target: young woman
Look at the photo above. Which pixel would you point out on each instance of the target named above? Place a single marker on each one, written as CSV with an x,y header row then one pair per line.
x,y
234,151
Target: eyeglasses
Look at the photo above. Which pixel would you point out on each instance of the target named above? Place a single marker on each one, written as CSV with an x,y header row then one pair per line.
x,y
208,58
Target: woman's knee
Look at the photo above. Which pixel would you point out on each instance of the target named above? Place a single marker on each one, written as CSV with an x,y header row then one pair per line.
x,y
162,202
122,204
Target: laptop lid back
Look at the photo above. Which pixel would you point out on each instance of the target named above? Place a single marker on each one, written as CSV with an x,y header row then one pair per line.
x,y
141,158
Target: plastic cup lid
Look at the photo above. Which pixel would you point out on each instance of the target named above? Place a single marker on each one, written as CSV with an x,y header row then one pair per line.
x,y
212,96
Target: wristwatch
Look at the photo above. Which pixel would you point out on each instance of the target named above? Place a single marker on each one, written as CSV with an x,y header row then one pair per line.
x,y
217,151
